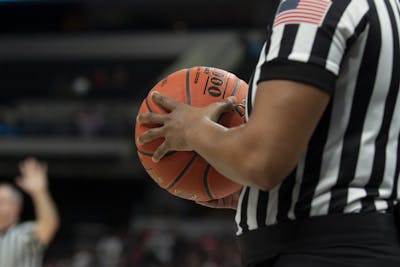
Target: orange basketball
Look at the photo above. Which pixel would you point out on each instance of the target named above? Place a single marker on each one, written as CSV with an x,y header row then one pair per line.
x,y
186,174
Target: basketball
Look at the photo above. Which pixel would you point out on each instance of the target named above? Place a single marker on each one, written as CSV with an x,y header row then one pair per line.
x,y
186,174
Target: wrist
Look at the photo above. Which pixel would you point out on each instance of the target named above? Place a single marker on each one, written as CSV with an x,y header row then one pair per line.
x,y
193,132
39,192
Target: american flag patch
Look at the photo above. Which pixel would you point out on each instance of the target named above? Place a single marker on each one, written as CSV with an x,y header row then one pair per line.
x,y
302,11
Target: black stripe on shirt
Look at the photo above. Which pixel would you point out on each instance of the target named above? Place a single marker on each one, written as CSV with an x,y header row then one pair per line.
x,y
283,69
357,32
249,94
325,34
394,195
285,197
312,164
251,89
378,167
362,95
262,204
243,213
287,43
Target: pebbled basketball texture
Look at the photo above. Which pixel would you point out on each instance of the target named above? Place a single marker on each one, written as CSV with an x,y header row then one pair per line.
x,y
186,174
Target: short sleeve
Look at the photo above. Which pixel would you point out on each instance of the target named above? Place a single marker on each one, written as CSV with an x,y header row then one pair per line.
x,y
309,39
26,232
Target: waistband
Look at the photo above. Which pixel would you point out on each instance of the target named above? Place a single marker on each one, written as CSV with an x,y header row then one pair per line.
x,y
267,242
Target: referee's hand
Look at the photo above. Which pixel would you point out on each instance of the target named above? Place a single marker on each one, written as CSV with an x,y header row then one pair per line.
x,y
179,123
33,178
229,202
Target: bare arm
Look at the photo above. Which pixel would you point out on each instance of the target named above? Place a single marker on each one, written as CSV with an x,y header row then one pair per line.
x,y
33,181
265,150
260,153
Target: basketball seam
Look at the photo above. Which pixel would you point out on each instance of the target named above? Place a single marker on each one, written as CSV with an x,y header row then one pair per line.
x,y
205,87
180,175
148,105
188,100
226,87
205,181
145,153
236,86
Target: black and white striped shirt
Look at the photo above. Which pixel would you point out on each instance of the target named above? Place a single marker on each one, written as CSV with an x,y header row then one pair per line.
x,y
351,164
19,248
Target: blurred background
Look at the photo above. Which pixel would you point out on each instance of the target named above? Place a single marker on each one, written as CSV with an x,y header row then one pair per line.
x,y
72,76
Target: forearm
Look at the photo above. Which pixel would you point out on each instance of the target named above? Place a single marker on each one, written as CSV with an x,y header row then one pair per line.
x,y
232,152
46,215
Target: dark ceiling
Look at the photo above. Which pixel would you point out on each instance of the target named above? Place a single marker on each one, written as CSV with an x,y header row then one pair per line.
x,y
124,15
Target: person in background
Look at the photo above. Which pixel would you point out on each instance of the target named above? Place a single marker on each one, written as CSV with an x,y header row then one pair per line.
x,y
23,244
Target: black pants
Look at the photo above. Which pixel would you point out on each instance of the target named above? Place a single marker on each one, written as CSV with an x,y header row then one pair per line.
x,y
374,254
368,240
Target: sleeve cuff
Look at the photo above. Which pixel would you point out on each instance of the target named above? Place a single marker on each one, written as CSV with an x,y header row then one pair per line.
x,y
300,72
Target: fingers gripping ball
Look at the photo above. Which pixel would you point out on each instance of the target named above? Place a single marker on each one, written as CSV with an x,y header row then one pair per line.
x,y
186,174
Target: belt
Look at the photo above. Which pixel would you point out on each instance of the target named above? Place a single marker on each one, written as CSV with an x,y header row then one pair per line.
x,y
267,242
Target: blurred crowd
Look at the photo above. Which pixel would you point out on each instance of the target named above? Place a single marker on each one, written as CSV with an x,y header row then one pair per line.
x,y
73,118
66,109
154,247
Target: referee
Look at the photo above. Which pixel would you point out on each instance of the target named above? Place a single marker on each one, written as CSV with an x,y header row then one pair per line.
x,y
320,155
22,244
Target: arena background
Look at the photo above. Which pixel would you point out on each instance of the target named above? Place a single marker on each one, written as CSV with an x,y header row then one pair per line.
x,y
72,76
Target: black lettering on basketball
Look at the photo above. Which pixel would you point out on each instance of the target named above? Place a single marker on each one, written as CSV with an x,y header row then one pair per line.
x,y
240,110
196,79
217,81
214,91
